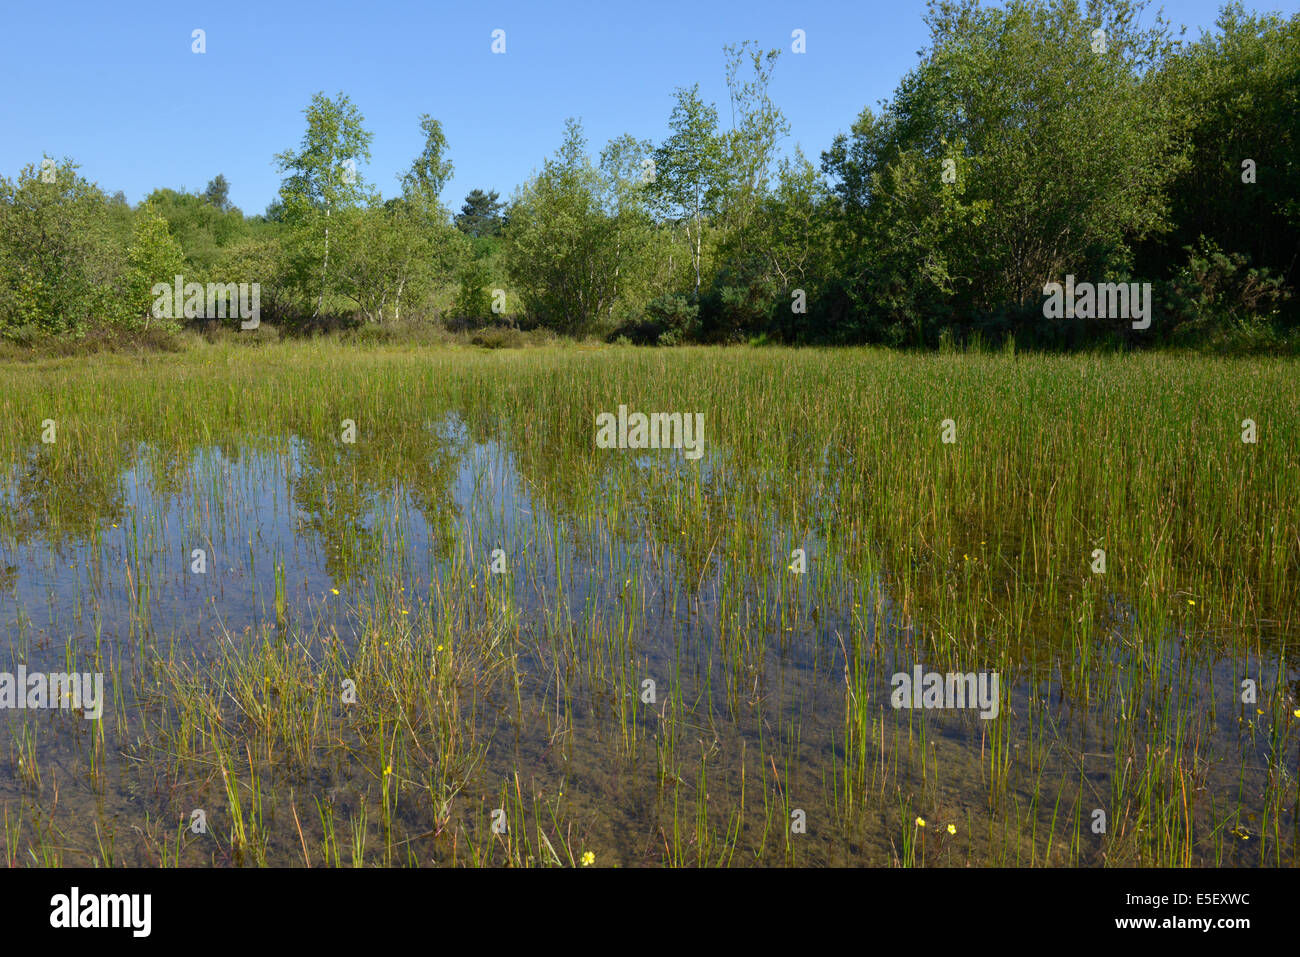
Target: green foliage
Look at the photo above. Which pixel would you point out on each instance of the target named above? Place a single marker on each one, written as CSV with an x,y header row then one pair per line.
x,y
201,226
1034,139
1213,287
218,193
773,261
689,173
423,182
259,259
392,255
498,337
1061,156
1235,95
575,238
154,257
473,298
675,319
59,258
480,215
748,149
641,254
323,182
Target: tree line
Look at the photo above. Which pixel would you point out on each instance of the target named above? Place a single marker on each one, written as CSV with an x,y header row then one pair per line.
x,y
1031,142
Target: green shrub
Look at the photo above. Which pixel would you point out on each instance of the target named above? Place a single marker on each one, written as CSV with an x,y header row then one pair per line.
x,y
498,337
473,300
1217,289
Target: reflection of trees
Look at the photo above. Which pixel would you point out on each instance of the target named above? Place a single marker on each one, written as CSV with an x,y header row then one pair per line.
x,y
66,494
168,468
428,480
337,501
573,481
61,495
339,486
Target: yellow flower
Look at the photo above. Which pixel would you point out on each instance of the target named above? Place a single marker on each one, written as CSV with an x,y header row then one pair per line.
x,y
952,828
1190,602
1296,712
405,612
388,770
588,859
440,647
920,822
334,590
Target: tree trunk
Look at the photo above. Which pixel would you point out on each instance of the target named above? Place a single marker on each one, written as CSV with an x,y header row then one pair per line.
x,y
325,265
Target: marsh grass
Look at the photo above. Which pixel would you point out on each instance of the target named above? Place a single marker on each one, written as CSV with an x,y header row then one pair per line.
x,y
523,692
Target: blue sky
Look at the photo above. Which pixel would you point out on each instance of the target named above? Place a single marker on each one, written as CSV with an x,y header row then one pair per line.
x,y
117,88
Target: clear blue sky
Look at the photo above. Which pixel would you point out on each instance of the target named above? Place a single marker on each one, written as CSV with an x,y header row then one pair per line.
x,y
116,87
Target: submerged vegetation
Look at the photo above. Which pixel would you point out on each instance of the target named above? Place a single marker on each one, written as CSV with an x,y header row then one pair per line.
x,y
368,605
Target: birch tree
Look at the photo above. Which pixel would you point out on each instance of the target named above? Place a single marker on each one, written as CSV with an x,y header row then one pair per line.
x,y
689,170
323,180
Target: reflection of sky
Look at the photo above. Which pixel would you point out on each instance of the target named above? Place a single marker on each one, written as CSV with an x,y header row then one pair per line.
x,y
575,559
277,503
